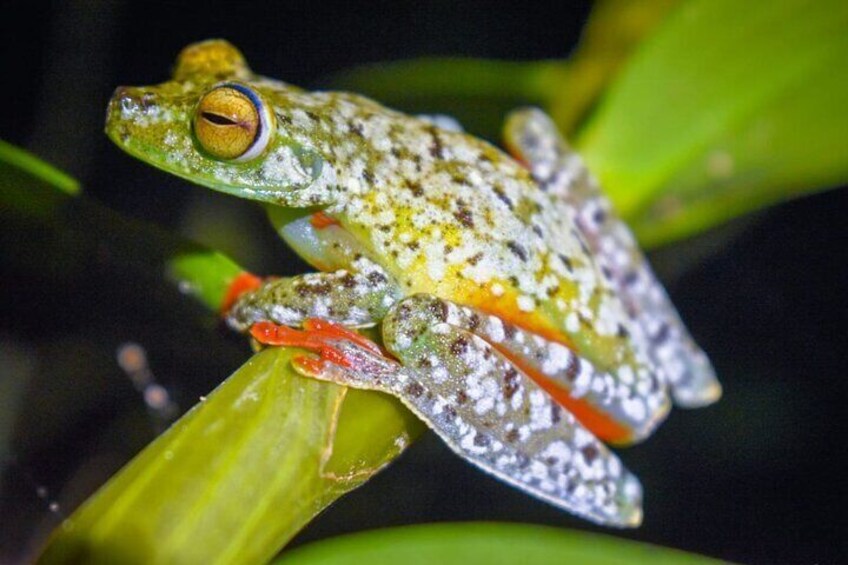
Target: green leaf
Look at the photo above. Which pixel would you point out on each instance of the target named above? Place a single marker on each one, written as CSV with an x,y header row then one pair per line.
x,y
489,543
245,469
15,162
240,474
614,30
728,108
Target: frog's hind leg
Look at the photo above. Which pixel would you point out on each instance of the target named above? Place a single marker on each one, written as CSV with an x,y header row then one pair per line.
x,y
498,418
534,139
621,408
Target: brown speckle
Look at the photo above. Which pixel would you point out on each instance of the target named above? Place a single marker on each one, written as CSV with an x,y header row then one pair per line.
x,y
481,440
414,389
377,278
511,383
573,367
465,217
415,188
438,309
459,345
599,216
517,249
503,197
356,129
590,453
436,147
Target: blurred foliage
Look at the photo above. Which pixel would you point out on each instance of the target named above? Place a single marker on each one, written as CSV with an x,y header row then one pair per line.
x,y
724,108
490,543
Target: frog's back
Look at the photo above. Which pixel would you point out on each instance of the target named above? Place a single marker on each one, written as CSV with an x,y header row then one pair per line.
x,y
451,215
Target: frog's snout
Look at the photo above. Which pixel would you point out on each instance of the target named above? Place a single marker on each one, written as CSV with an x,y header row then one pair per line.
x,y
132,109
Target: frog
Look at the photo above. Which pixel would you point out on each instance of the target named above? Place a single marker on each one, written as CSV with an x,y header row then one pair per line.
x,y
510,308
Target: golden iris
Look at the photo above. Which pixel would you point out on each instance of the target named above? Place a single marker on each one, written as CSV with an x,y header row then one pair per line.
x,y
226,123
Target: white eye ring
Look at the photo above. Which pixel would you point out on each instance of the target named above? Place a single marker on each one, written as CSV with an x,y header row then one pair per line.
x,y
266,122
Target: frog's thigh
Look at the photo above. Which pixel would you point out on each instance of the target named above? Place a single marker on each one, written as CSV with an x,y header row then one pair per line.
x,y
499,419
352,299
533,138
623,407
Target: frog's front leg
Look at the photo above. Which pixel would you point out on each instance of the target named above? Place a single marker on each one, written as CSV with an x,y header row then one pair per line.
x,y
354,299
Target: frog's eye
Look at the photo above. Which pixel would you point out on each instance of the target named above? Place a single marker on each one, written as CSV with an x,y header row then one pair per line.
x,y
232,123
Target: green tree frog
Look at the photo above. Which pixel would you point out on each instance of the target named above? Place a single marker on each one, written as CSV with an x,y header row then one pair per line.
x,y
518,317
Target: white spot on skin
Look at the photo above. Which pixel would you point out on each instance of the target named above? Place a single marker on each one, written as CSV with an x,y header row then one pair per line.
x,y
572,323
526,303
557,359
495,329
559,451
635,409
484,405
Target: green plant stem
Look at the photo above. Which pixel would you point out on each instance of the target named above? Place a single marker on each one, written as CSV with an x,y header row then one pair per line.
x,y
245,469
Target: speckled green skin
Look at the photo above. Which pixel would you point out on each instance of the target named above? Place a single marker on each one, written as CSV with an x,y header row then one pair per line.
x,y
480,270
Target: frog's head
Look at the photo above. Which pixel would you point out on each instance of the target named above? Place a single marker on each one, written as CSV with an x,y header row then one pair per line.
x,y
214,124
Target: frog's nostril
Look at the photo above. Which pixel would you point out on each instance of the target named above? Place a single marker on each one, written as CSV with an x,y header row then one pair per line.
x,y
128,100
120,98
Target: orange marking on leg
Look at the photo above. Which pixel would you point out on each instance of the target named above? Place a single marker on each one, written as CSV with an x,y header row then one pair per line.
x,y
330,330
503,307
317,336
269,333
603,426
335,356
244,282
597,421
321,220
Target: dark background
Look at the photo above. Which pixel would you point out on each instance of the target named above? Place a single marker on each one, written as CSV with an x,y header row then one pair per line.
x,y
757,478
